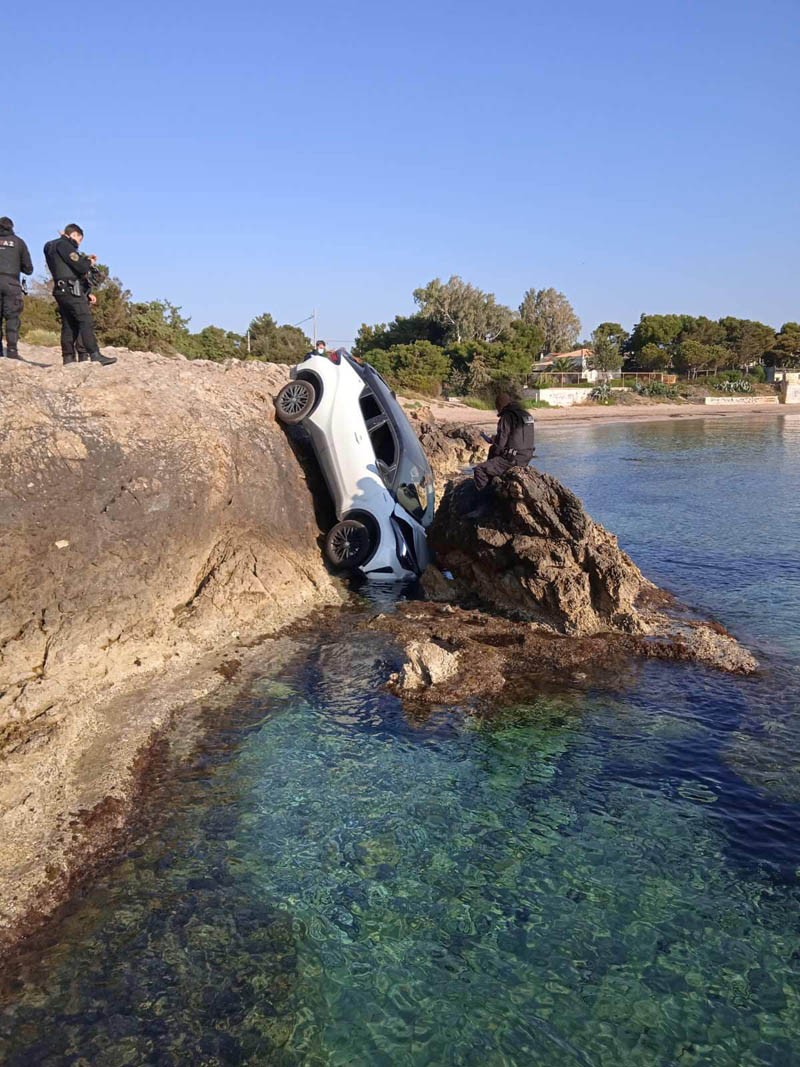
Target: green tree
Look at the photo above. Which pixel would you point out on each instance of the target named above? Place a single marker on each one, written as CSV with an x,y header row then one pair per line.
x,y
465,312
554,315
692,356
786,351
747,340
701,329
111,313
661,330
212,342
262,330
421,366
653,332
525,337
402,330
154,326
653,357
276,344
291,344
479,376
607,342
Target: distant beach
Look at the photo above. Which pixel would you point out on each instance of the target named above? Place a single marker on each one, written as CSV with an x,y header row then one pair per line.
x,y
583,413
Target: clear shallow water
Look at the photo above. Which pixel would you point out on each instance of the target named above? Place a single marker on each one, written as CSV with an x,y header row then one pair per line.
x,y
594,878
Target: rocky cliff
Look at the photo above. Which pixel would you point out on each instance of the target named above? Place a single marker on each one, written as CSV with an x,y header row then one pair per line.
x,y
152,514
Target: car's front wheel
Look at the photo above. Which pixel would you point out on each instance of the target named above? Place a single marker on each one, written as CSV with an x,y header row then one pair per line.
x,y
348,544
295,400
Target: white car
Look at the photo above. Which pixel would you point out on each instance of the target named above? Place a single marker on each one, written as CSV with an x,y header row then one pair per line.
x,y
378,476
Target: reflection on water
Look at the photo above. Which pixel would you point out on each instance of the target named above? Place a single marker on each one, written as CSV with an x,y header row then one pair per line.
x,y
604,878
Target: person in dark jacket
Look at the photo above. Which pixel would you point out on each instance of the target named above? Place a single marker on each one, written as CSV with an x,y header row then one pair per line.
x,y
15,259
69,269
512,445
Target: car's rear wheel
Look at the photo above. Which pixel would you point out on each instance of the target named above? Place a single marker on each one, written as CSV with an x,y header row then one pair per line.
x,y
348,544
295,401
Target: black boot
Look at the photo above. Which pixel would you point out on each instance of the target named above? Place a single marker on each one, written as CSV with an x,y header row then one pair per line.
x,y
13,354
104,361
69,359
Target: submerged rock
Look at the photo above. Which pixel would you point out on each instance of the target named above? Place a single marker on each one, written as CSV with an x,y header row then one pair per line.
x,y
429,663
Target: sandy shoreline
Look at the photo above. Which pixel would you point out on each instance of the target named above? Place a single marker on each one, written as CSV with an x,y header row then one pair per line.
x,y
460,413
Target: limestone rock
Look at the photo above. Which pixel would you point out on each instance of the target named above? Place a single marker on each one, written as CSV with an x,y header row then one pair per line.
x,y
449,448
151,513
541,595
526,546
429,663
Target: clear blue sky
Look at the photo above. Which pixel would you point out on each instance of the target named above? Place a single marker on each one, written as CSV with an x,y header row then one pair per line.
x,y
242,157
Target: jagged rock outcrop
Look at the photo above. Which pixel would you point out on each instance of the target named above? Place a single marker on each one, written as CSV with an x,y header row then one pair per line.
x,y
449,448
150,513
526,546
539,594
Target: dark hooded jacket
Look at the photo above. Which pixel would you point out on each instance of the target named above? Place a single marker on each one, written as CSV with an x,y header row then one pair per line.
x,y
514,439
15,259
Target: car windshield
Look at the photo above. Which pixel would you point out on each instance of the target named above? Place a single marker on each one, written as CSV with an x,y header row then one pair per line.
x,y
411,480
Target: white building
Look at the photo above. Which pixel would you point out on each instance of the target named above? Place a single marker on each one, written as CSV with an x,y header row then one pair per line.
x,y
579,370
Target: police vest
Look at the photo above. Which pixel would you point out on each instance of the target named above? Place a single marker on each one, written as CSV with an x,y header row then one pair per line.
x,y
521,439
10,255
60,255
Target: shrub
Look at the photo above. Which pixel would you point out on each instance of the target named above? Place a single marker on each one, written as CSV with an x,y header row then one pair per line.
x,y
742,386
421,366
46,338
602,394
655,389
39,313
758,375
478,402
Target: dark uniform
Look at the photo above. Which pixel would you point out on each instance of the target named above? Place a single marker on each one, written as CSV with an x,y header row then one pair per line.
x,y
70,269
14,260
512,446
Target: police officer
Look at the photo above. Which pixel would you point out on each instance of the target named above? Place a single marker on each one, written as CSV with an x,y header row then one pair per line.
x,y
512,445
14,259
69,269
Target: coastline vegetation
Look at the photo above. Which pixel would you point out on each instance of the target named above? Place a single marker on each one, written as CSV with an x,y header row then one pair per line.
x,y
461,342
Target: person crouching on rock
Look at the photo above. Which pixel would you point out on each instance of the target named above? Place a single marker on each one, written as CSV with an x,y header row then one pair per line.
x,y
69,268
512,445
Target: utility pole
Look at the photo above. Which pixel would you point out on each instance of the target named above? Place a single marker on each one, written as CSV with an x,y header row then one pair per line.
x,y
315,327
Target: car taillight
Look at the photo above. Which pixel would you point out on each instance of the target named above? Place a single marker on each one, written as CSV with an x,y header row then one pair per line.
x,y
334,357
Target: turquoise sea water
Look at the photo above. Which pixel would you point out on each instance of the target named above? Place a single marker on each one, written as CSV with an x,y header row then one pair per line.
x,y
608,877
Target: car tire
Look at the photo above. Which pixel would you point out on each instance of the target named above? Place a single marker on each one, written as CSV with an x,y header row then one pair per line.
x,y
295,401
348,545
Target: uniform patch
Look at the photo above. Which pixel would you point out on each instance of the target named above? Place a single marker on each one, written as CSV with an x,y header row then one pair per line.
x,y
75,256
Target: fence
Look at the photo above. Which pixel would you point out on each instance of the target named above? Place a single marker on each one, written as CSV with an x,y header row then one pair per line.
x,y
649,376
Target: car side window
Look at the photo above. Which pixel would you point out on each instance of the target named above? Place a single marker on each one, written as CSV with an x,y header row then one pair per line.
x,y
383,443
379,430
370,408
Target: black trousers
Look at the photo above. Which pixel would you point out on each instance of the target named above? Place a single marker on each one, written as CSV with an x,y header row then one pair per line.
x,y
11,301
76,322
484,472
